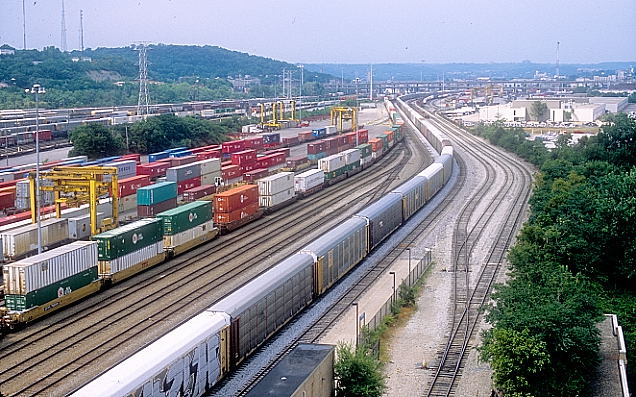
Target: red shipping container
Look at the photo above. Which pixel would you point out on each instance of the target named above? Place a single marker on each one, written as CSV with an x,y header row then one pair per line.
x,y
363,136
389,135
7,199
248,167
209,154
188,184
279,158
316,147
286,151
342,140
133,156
376,144
295,161
6,220
351,137
236,198
129,186
254,175
254,143
175,161
244,157
290,141
44,135
230,172
232,146
305,136
152,210
10,183
229,217
154,170
197,192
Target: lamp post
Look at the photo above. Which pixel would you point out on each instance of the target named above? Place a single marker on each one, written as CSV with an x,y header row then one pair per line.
x,y
357,321
36,90
393,296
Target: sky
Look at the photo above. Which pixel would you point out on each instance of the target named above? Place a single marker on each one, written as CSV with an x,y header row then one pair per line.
x,y
319,31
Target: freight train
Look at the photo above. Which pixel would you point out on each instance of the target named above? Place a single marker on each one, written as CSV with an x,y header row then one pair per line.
x,y
194,357
26,305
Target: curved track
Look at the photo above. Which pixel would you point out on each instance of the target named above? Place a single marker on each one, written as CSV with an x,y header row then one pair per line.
x,y
43,358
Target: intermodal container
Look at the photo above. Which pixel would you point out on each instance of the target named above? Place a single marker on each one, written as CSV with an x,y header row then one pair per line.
x,y
237,215
209,165
363,136
129,186
232,146
185,217
305,136
275,183
365,150
6,176
176,149
236,198
319,132
132,156
248,168
294,162
351,156
308,180
125,169
177,161
245,157
197,192
254,143
154,209
116,265
376,144
129,238
253,176
316,147
7,199
331,129
127,203
188,235
278,198
33,273
290,141
351,137
153,194
209,154
153,170
230,172
271,138
80,227
182,186
183,172
332,163
212,178
19,241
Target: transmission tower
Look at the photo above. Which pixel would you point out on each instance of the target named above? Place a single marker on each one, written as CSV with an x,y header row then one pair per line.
x,y
63,42
143,103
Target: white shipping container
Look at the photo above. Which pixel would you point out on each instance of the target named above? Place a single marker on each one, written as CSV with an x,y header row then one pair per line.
x,y
351,156
38,271
188,235
275,183
331,129
278,198
128,203
332,163
209,166
19,241
23,194
125,169
212,178
6,176
309,180
108,268
80,227
82,158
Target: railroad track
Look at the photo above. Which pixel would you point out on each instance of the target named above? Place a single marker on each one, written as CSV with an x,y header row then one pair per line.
x,y
469,301
91,324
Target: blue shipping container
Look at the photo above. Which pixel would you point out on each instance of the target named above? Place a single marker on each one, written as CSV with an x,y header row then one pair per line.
x,y
176,149
152,157
182,153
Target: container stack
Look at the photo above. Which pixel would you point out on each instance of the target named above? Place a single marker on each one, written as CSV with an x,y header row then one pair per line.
x,y
79,227
210,171
156,198
334,166
309,181
186,223
376,148
125,168
42,278
352,159
122,250
185,176
365,153
276,189
23,194
203,192
22,240
235,204
128,192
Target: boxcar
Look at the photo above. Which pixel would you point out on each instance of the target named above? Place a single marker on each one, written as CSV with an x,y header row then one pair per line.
x,y
435,175
413,194
382,217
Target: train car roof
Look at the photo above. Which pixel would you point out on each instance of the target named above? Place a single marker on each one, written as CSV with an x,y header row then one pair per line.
x,y
407,186
239,300
381,206
431,170
331,238
132,373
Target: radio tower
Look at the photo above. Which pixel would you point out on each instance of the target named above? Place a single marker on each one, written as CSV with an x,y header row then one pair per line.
x,y
557,60
143,104
82,31
63,44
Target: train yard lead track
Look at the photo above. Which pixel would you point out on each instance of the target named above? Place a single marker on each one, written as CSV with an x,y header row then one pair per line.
x,y
469,302
86,326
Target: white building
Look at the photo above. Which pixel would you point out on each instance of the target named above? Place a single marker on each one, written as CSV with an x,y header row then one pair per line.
x,y
6,50
612,104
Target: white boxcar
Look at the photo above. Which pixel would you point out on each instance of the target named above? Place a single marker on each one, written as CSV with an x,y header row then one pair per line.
x,y
309,180
80,227
278,198
276,183
332,163
108,268
19,241
351,156
185,360
209,166
125,168
38,271
331,129
185,236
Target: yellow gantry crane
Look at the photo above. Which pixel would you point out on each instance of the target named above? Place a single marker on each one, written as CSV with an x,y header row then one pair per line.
x,y
75,186
339,114
278,113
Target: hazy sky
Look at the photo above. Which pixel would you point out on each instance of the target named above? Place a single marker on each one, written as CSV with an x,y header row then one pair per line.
x,y
433,31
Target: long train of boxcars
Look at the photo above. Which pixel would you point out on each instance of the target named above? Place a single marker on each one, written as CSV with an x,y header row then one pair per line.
x,y
194,356
13,319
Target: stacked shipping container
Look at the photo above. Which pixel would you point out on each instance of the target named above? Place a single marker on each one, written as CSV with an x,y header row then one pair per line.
x,y
186,223
276,189
156,198
235,204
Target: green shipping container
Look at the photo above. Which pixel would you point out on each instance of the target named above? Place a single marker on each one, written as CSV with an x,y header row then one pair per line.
x,y
126,239
353,166
385,140
157,193
52,291
185,217
335,173
365,150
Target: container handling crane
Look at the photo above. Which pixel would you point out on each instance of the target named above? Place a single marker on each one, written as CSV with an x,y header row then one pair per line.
x,y
75,186
340,114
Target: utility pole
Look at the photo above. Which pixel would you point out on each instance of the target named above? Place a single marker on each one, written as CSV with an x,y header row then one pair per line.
x,y
82,31
23,26
300,93
63,41
37,90
371,84
143,103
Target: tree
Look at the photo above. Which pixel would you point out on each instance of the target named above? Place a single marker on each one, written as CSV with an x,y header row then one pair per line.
x,y
96,140
618,138
357,373
539,111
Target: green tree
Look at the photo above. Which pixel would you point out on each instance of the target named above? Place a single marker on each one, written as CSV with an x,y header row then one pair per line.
x,y
358,374
96,140
539,111
618,138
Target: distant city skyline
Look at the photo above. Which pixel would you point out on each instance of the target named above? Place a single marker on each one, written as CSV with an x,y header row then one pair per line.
x,y
349,32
